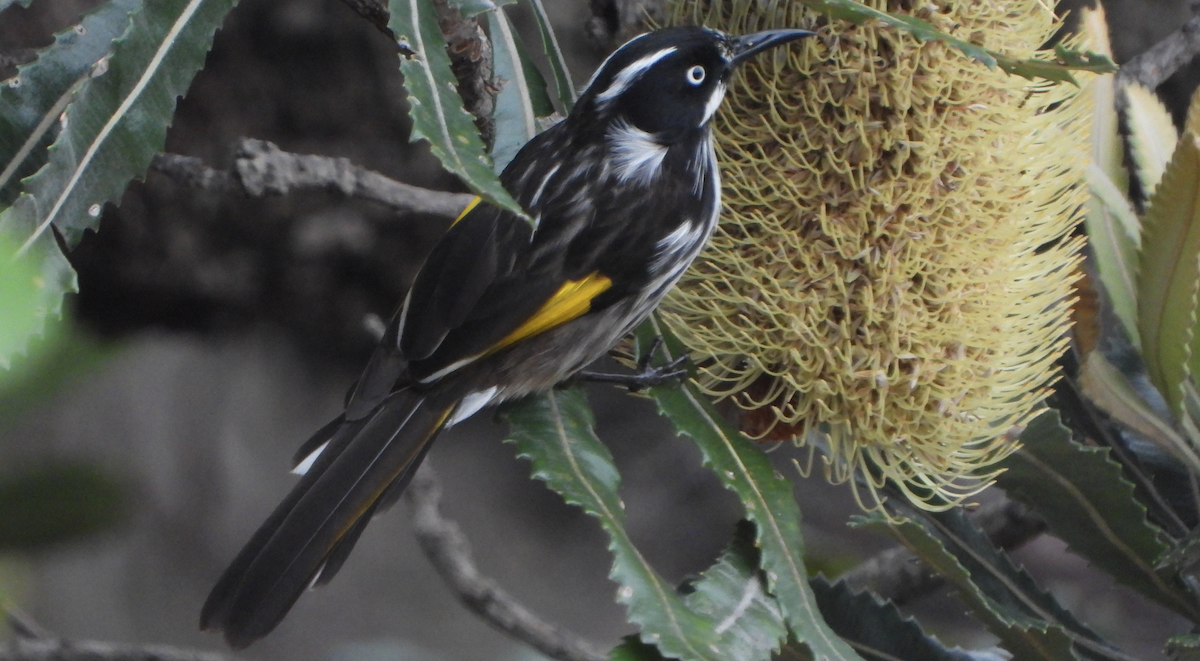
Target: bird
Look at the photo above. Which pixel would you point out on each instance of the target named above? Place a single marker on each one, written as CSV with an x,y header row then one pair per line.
x,y
623,193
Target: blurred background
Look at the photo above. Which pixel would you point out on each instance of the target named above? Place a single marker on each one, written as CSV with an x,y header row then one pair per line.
x,y
150,433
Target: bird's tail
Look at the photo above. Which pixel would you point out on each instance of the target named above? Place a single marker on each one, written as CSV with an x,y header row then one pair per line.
x,y
363,465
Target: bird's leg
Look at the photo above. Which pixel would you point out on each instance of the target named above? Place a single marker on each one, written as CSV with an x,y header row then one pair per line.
x,y
647,375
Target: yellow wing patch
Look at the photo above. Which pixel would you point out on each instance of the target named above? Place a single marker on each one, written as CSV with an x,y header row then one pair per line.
x,y
470,205
571,300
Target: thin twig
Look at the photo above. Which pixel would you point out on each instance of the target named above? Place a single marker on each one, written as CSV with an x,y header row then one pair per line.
x,y
1153,67
33,642
263,169
21,649
447,548
898,575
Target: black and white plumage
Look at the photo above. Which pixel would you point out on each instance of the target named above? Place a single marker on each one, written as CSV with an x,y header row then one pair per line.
x,y
625,192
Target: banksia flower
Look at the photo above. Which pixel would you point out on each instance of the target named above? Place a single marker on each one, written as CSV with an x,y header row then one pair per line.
x,y
893,269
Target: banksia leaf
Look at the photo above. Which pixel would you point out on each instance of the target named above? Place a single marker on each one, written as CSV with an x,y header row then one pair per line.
x,y
1113,228
522,97
434,104
555,432
32,101
1152,135
896,263
1029,621
109,132
1169,277
1088,504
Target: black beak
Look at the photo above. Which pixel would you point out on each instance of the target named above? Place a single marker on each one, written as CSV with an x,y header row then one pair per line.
x,y
747,46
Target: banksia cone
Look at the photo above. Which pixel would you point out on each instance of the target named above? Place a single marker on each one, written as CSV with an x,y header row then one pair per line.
x,y
893,269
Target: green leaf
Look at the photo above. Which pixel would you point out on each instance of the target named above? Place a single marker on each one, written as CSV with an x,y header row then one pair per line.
x,y
23,297
732,595
522,91
1058,69
1110,389
118,120
113,127
875,627
1029,621
55,503
558,63
766,495
1152,135
555,431
633,649
1114,232
5,4
435,106
1184,647
32,101
1088,504
1169,273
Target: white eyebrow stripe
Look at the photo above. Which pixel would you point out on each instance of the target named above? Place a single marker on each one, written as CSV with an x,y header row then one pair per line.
x,y
629,74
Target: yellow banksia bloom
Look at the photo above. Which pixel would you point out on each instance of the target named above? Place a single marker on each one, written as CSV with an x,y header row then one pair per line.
x,y
893,269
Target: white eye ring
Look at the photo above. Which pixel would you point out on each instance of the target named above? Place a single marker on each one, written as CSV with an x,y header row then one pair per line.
x,y
695,75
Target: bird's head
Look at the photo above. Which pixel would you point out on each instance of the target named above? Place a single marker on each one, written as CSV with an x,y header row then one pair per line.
x,y
671,81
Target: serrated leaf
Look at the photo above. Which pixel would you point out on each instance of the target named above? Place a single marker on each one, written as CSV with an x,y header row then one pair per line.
x,y
1152,135
875,627
732,595
1111,390
1088,504
434,104
554,55
1058,70
1108,150
31,101
113,127
119,120
555,431
1030,623
1169,273
766,495
515,114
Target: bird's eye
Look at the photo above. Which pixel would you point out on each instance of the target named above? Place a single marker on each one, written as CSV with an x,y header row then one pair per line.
x,y
695,75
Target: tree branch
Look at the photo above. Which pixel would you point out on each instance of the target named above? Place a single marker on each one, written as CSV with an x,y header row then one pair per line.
x,y
1153,67
447,548
900,576
263,169
35,643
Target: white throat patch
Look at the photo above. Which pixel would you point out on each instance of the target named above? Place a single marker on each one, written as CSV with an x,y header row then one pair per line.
x,y
631,73
637,156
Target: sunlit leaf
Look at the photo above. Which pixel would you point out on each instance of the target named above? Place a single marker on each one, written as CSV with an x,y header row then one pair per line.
x,y
1169,273
1152,135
